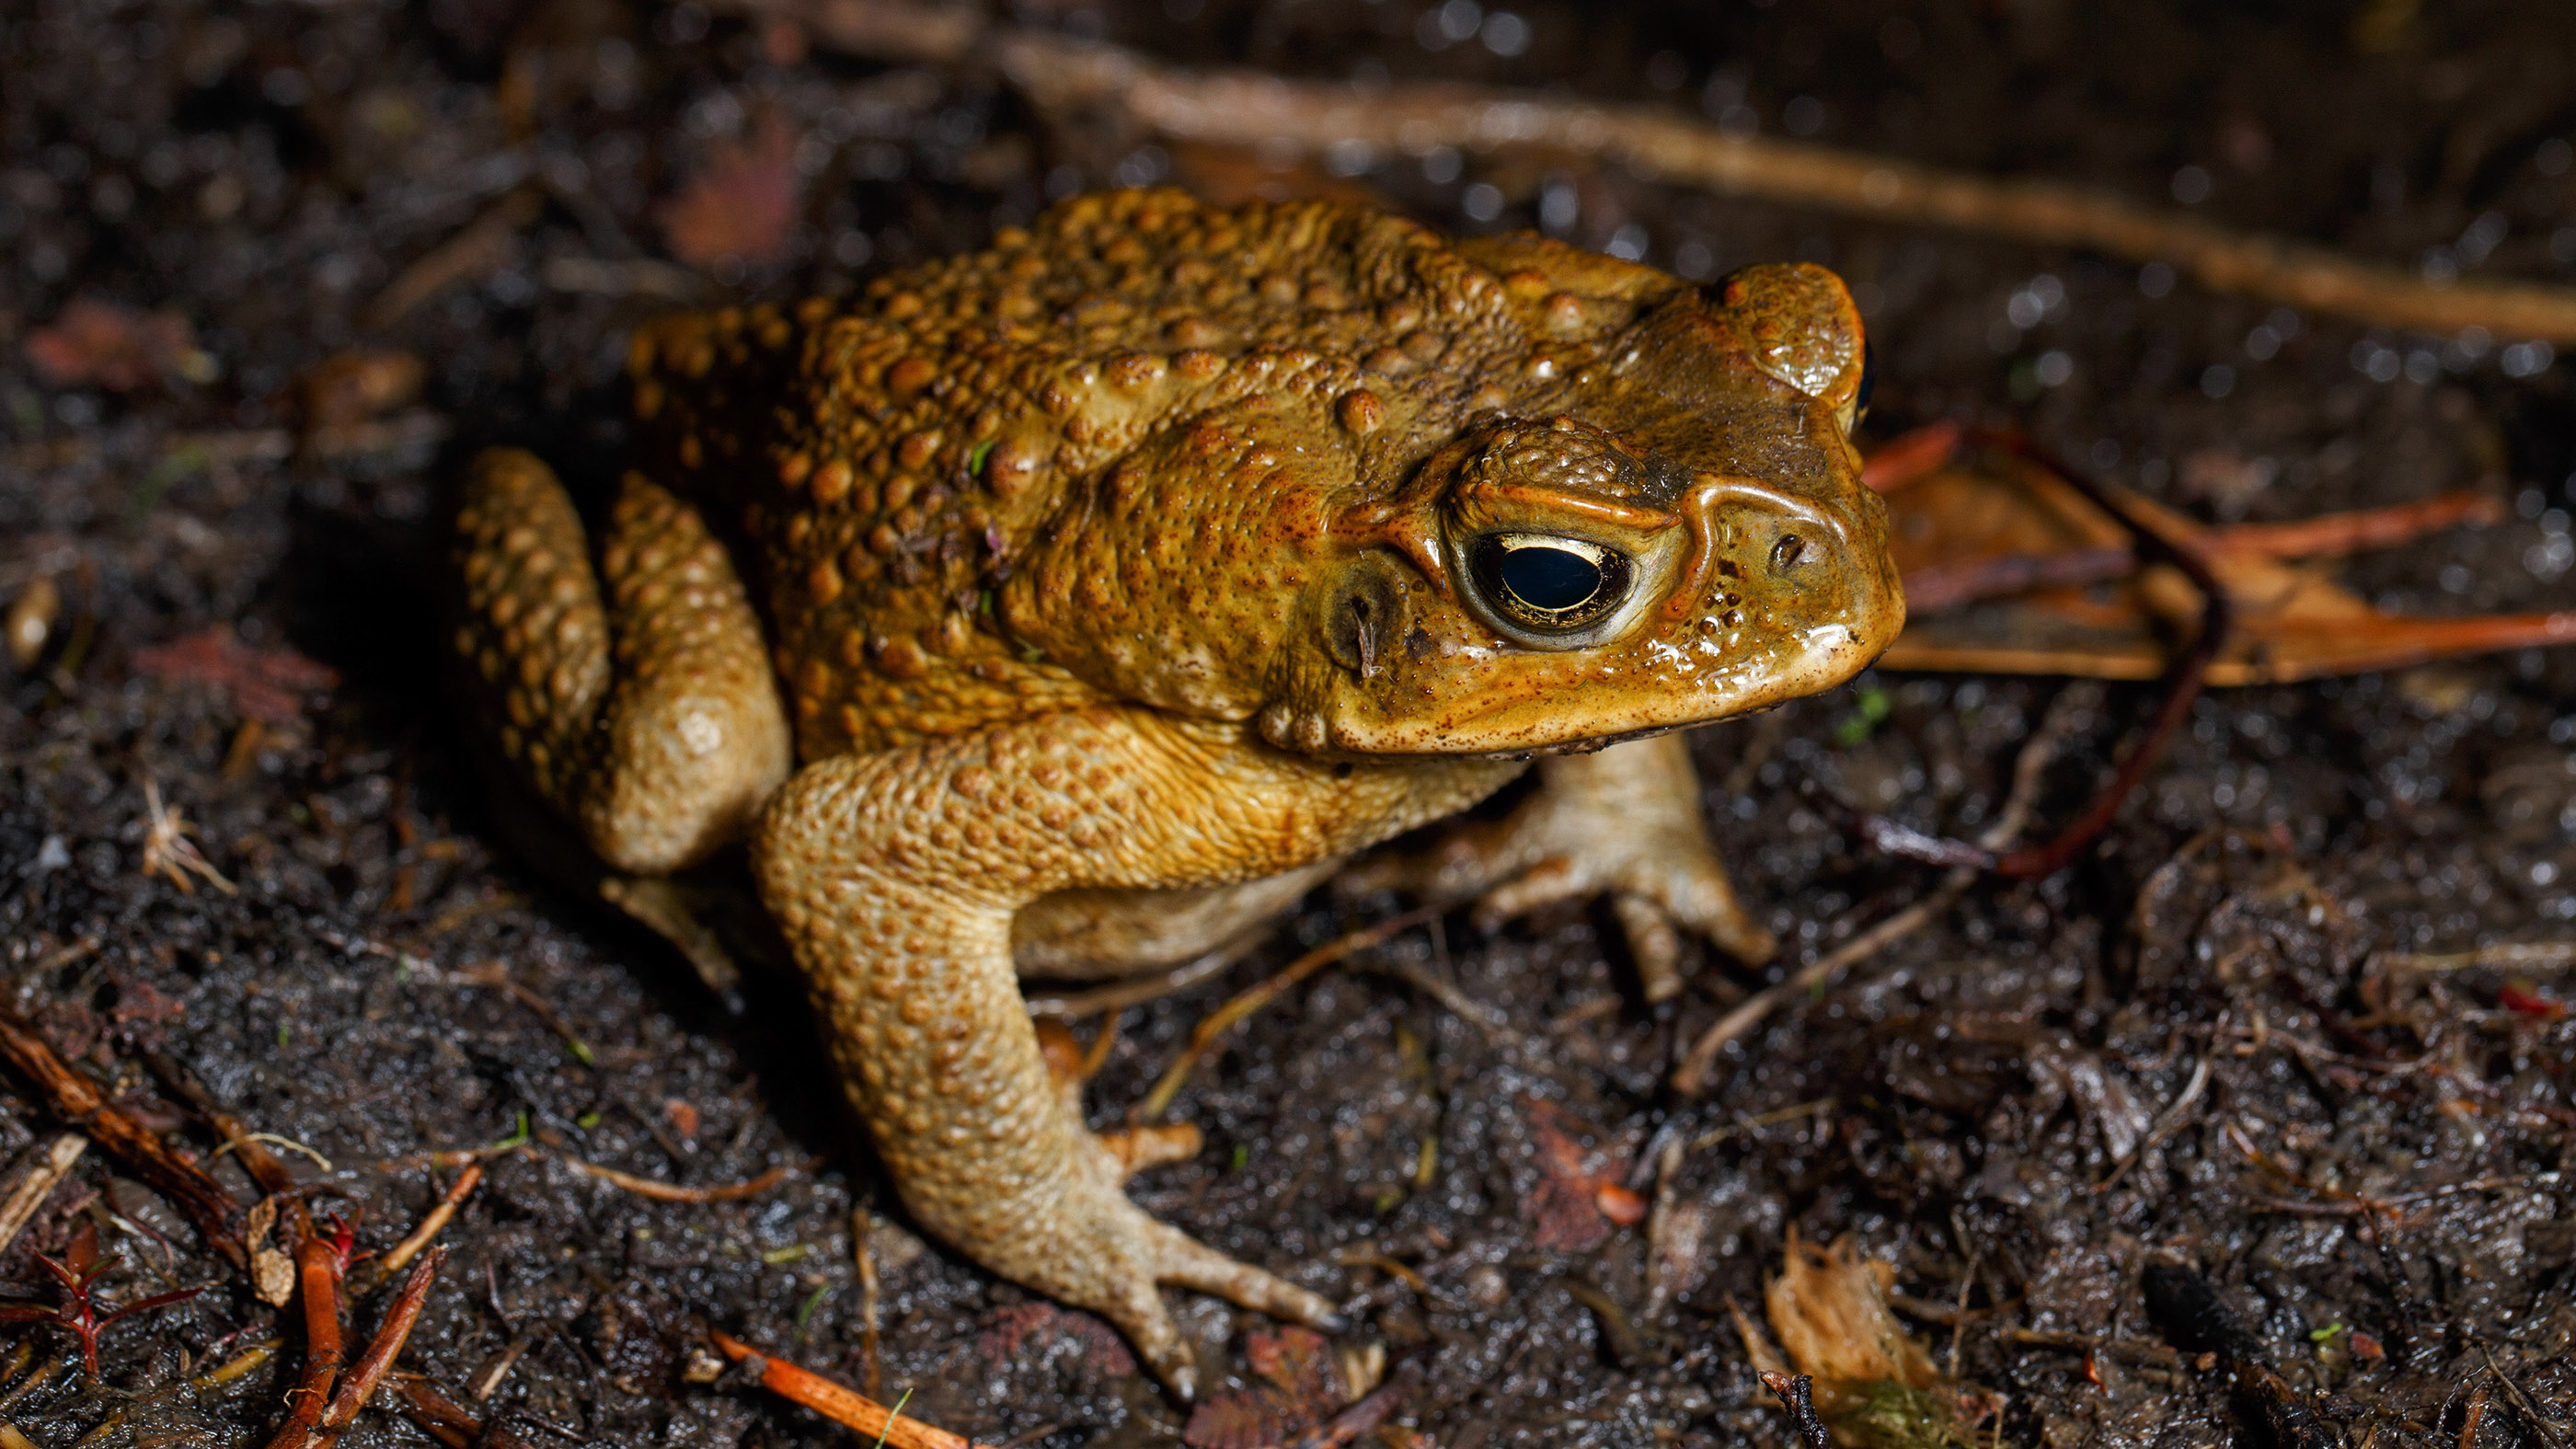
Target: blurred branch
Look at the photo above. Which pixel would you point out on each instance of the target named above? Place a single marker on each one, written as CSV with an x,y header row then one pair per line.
x,y
1247,109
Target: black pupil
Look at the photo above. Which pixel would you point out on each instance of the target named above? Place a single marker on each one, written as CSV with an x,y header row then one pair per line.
x,y
1552,579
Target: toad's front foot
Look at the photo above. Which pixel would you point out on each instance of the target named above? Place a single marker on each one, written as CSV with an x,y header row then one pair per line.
x,y
1623,823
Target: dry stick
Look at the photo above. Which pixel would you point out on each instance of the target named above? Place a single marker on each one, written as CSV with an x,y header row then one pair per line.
x,y
360,1385
2522,1401
1219,1021
77,1101
497,977
871,1371
2183,682
1247,109
1941,587
2510,956
435,1221
1254,110
437,1415
2166,1124
317,1263
2335,534
673,1192
1119,995
47,1166
834,1401
1692,1076
483,246
1798,1394
317,1272
265,1167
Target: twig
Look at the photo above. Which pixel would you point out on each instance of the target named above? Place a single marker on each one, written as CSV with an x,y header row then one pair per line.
x,y
1773,1118
1691,1077
673,1192
487,1380
2167,1123
1119,995
833,1401
434,1221
1244,1004
317,1272
2332,534
483,246
1489,1020
1798,1394
437,1415
2509,956
871,1372
360,1384
2160,1355
496,976
1248,109
47,1166
2196,1321
1942,587
2540,1424
74,1099
263,1165
2183,682
276,1140
1911,456
167,850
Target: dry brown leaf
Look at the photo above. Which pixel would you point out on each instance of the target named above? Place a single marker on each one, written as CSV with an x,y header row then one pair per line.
x,y
1021,1325
100,344
742,203
1301,1388
265,684
1875,1385
2009,570
272,1270
1579,1194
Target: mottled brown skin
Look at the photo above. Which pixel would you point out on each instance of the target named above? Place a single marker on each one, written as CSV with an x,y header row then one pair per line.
x,y
1116,583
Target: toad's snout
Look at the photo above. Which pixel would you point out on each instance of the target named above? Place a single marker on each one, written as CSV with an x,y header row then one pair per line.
x,y
1746,534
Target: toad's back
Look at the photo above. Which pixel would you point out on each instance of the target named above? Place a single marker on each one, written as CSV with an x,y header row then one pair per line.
x,y
890,466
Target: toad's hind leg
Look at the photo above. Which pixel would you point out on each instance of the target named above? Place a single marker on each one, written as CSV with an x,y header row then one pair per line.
x,y
895,878
647,719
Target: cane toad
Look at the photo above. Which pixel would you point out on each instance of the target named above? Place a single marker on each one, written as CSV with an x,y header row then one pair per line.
x,y
1072,606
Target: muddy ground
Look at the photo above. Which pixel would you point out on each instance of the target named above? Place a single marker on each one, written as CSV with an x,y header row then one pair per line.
x,y
2374,1172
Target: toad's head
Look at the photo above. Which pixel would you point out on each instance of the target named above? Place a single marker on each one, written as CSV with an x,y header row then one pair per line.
x,y
1676,533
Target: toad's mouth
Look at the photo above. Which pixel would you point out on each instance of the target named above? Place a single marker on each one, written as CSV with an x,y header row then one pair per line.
x,y
1675,679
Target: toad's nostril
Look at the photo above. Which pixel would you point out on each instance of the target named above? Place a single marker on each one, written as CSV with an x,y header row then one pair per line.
x,y
1788,552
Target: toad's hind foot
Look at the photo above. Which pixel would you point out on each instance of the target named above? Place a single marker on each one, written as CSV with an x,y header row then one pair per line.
x,y
895,878
1622,823
1105,1254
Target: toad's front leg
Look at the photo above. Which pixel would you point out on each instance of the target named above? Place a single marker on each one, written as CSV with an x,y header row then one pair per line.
x,y
1624,822
895,877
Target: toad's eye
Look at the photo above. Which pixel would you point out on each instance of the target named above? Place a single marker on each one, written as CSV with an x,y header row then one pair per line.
x,y
1548,584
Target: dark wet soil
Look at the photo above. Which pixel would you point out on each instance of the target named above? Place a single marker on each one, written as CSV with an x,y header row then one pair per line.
x,y
2374,1171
